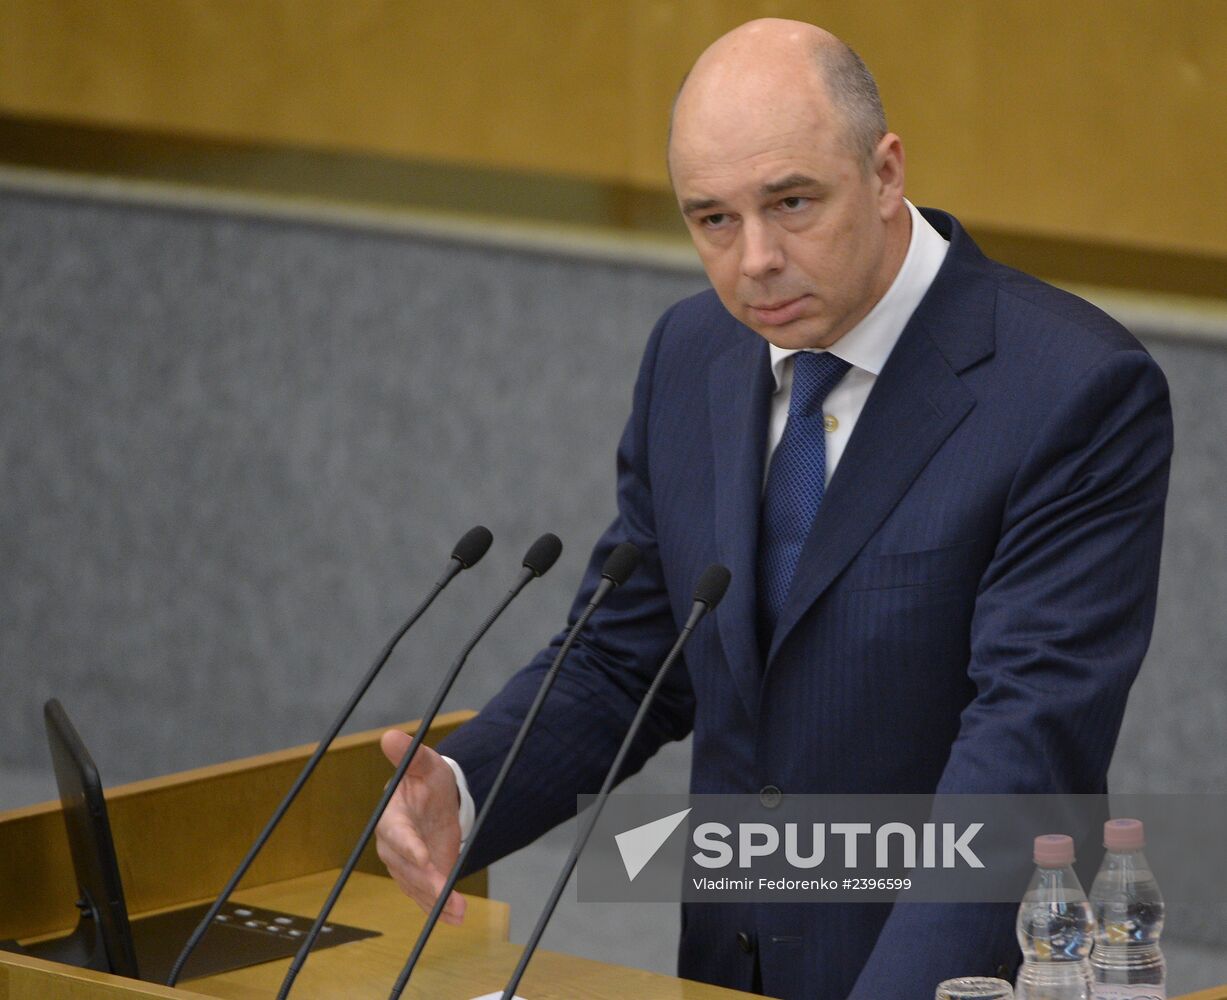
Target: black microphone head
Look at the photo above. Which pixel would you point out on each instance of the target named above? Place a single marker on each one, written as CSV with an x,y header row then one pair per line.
x,y
543,553
621,563
475,544
712,585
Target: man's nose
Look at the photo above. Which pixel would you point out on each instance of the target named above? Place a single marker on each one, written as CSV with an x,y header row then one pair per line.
x,y
762,254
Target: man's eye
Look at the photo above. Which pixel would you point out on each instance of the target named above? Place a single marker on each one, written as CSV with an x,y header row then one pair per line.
x,y
793,203
715,220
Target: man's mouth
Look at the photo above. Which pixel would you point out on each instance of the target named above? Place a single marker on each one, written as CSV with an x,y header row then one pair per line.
x,y
779,312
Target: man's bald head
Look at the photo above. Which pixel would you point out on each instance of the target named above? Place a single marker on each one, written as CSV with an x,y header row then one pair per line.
x,y
778,53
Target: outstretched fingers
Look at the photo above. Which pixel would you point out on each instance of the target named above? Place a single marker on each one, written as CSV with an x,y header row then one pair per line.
x,y
418,836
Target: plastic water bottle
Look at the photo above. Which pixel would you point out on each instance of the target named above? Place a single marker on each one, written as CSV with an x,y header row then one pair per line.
x,y
1055,927
1126,962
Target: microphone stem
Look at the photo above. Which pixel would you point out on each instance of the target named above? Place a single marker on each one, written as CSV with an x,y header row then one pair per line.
x,y
453,567
509,992
521,737
304,949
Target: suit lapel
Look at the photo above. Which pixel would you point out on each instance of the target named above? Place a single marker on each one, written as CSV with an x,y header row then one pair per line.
x,y
916,403
739,435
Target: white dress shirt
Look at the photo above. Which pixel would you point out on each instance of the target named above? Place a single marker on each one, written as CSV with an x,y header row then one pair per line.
x,y
865,347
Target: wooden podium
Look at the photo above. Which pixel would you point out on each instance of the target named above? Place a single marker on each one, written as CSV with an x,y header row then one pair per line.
x,y
178,839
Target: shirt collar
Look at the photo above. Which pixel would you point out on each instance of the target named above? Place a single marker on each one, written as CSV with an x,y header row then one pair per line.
x,y
868,344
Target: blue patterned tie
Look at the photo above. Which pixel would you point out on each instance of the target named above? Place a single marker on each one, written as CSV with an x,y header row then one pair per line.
x,y
795,484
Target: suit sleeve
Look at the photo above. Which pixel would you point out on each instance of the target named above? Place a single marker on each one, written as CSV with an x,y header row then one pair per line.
x,y
1062,620
598,691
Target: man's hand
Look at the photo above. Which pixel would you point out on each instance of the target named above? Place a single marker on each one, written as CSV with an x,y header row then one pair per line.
x,y
418,836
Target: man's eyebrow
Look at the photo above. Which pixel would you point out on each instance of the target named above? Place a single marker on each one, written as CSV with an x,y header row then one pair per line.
x,y
698,205
790,182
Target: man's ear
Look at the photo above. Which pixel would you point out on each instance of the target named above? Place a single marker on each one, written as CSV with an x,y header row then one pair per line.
x,y
887,167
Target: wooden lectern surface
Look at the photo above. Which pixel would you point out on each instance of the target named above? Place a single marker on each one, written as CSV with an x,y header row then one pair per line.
x,y
459,962
179,837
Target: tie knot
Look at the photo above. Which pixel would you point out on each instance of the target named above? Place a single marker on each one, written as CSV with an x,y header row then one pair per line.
x,y
813,377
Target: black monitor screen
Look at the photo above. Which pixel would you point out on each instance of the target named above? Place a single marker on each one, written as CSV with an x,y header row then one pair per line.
x,y
93,850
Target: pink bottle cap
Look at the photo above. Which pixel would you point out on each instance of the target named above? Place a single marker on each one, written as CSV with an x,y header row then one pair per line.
x,y
1124,835
1054,850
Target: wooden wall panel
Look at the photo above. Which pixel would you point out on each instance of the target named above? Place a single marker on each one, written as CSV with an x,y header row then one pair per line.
x,y
1100,120
468,80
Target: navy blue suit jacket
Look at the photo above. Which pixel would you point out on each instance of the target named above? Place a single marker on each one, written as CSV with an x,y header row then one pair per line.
x,y
971,606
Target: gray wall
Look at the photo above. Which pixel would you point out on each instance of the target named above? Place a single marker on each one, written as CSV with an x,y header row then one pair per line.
x,y
236,450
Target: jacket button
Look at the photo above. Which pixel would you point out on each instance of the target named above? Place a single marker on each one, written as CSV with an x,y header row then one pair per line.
x,y
1003,971
745,942
769,796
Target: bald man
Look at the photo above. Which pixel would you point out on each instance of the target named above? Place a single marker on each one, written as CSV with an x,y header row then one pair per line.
x,y
938,483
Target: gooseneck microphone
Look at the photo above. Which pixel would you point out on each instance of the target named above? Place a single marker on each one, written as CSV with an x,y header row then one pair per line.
x,y
619,565
707,594
467,552
540,557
